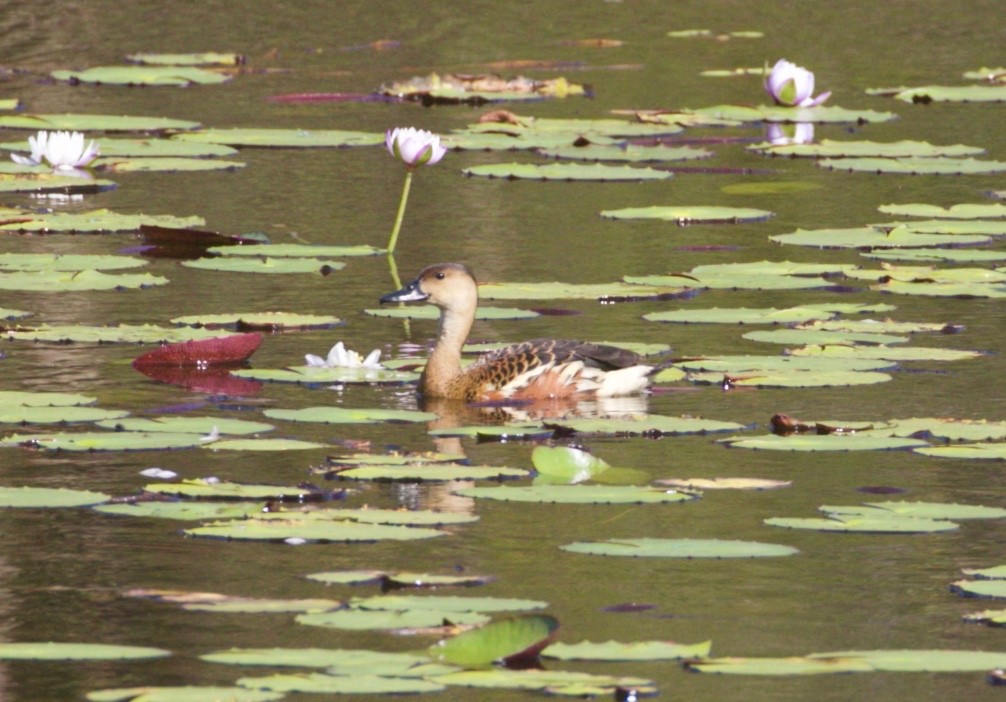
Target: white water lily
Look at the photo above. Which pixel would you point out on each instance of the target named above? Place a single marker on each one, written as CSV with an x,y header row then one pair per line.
x,y
340,357
65,151
415,147
792,85
784,134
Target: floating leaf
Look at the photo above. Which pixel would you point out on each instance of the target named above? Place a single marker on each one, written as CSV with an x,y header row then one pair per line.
x,y
981,452
651,424
724,483
828,148
54,651
264,445
782,364
478,89
49,497
186,693
39,183
577,494
67,262
95,221
779,666
791,379
429,473
242,264
178,76
871,238
567,464
184,511
291,527
626,152
7,313
821,114
886,352
125,334
147,148
355,684
922,660
105,441
431,312
283,138
346,415
163,164
680,548
815,336
499,640
208,58
260,320
925,255
447,603
380,619
961,211
566,171
337,660
919,510
684,215
869,524
21,414
915,165
42,399
993,573
554,681
295,250
94,123
202,353
740,315
318,375
617,651
953,93
945,428
76,281
402,579
979,588
824,442
222,490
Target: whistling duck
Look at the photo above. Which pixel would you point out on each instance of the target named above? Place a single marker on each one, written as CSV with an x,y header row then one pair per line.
x,y
532,370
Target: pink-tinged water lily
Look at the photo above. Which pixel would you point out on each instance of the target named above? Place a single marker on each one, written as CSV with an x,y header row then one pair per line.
x,y
65,151
784,134
415,147
792,85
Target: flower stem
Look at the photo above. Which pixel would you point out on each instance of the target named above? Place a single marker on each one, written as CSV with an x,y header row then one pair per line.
x,y
401,212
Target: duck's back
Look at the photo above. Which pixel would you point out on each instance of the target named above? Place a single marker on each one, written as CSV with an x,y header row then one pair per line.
x,y
541,368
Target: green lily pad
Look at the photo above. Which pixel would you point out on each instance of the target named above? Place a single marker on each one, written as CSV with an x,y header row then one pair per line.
x,y
265,445
629,152
184,424
21,414
9,314
980,452
447,603
295,250
651,424
868,524
820,114
815,336
925,255
55,651
565,463
979,588
824,442
292,527
185,693
618,651
223,490
828,148
178,76
67,262
680,548
339,661
164,164
932,661
241,264
346,415
961,211
919,510
740,315
268,320
495,641
987,227
953,93
398,579
914,165
555,682
123,334
948,429
792,379
422,473
283,138
795,665
571,291
208,58
577,494
356,619
882,326
146,148
574,129
992,617
754,275
871,238
935,289
182,510
39,183
782,364
566,171
49,497
432,312
43,399
993,573
355,684
76,281
684,215
105,441
94,123
97,221
317,375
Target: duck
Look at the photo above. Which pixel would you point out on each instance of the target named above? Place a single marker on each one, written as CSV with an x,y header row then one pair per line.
x,y
534,370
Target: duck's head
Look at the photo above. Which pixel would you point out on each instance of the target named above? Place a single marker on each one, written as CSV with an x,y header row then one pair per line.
x,y
446,285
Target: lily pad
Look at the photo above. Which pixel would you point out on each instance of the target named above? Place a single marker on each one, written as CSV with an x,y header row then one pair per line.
x,y
447,603
566,463
178,76
105,441
926,255
339,661
477,89
22,414
960,211
684,215
828,148
724,483
740,315
626,152
76,281
283,138
185,424
566,171
49,497
223,490
242,264
577,494
208,58
979,588
185,693
67,262
980,452
163,164
824,442
914,165
782,364
346,415
795,665
397,579
871,238
815,336
55,651
42,399
422,473
922,660
182,510
317,375
618,651
496,641
918,510
95,221
556,682
93,123
953,93
295,250
292,527
147,148
260,320
891,353
680,548
40,183
791,379
122,334
868,524
357,619
820,114
356,684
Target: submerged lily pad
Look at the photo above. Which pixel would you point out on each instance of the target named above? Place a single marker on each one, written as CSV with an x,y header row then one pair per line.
x,y
143,75
283,138
683,215
566,171
680,548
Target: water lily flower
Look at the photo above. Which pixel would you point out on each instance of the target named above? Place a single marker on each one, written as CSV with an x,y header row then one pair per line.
x,y
783,134
414,147
792,85
340,357
65,151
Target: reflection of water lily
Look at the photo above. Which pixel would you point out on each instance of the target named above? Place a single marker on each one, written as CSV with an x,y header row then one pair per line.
x,y
65,151
341,357
792,85
415,147
782,134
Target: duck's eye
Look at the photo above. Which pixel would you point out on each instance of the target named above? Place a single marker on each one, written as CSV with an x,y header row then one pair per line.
x,y
440,275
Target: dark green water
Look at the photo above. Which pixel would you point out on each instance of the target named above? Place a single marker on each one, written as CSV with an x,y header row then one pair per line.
x,y
62,572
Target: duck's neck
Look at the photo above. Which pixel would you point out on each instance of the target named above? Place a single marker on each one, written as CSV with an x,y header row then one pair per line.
x,y
444,363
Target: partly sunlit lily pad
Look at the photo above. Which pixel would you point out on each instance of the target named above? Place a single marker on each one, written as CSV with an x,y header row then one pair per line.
x,y
577,494
922,660
208,58
626,152
76,281
223,490
816,336
778,113
178,76
397,579
915,165
953,93
295,250
618,651
868,524
163,164
480,88
927,255
105,441
11,398
358,619
738,365
262,264
680,548
346,415
23,414
683,215
779,666
724,483
946,428
555,682
651,424
67,262
340,661
317,530
566,171
960,211
447,603
355,684
95,221
39,183
824,442
260,320
828,148
917,510
91,123
980,452
891,353
186,693
49,497
123,334
497,641
186,424
336,375
283,138
790,379
872,238
182,510
980,588
53,651
740,315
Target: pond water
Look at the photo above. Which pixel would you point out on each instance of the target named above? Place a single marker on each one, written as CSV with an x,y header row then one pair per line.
x,y
63,572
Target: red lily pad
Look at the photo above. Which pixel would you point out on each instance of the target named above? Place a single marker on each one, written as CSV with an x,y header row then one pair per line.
x,y
219,350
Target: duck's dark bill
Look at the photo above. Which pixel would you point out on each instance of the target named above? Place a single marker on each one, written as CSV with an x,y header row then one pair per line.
x,y
410,293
